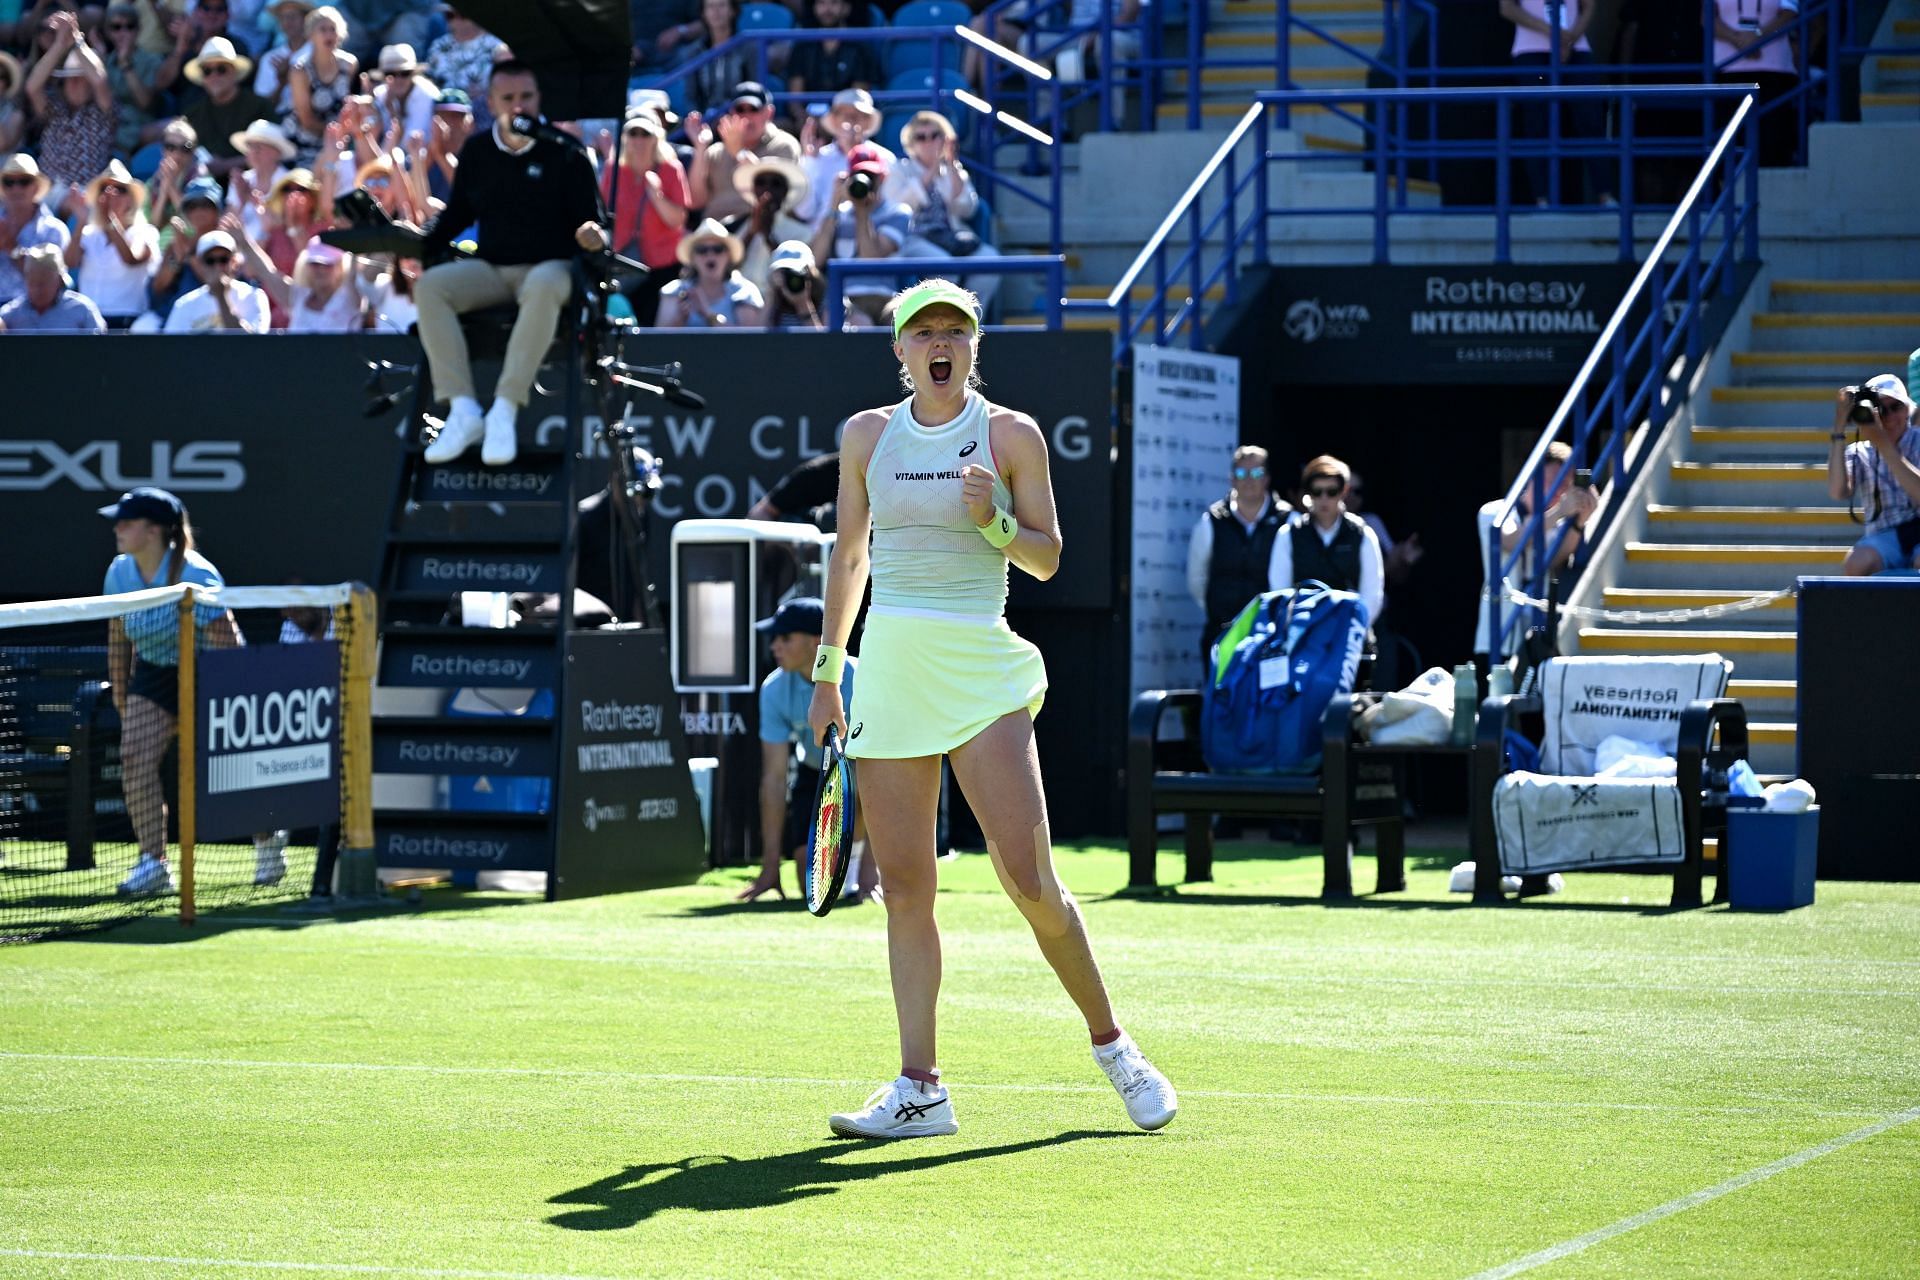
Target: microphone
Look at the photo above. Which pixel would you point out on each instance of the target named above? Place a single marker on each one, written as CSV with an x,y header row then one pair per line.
x,y
538,127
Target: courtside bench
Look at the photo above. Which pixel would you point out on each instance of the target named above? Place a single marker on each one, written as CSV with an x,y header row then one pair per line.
x,y
1165,774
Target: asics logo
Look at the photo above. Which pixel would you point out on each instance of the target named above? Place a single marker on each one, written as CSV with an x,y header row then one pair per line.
x,y
856,730
915,1110
820,662
1004,526
971,445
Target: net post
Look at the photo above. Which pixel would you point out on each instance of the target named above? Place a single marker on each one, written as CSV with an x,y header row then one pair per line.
x,y
184,729
358,878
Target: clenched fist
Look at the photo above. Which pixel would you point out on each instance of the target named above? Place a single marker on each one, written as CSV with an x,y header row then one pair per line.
x,y
976,490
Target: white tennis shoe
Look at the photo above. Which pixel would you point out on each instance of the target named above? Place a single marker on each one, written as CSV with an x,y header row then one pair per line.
x,y
1150,1099
270,858
901,1108
150,876
501,444
461,431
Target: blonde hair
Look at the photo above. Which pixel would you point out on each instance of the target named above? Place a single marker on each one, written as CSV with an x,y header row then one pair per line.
x,y
920,118
327,13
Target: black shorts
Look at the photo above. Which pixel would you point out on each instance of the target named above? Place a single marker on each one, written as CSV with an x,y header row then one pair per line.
x,y
157,684
806,786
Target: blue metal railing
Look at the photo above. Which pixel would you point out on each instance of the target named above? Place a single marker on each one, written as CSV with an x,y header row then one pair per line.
x,y
1051,267
1227,209
1648,364
989,124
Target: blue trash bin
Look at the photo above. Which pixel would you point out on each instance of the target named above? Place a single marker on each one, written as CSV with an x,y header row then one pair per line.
x,y
1770,858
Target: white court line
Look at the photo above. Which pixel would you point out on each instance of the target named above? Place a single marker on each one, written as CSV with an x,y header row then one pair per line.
x,y
791,964
338,1268
670,1077
1695,1199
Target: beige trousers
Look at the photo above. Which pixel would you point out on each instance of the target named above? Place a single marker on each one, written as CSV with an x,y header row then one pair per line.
x,y
445,291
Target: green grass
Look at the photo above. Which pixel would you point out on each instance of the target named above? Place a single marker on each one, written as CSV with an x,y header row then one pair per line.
x,y
637,1086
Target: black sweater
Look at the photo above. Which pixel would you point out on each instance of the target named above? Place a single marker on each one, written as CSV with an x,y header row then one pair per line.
x,y
528,205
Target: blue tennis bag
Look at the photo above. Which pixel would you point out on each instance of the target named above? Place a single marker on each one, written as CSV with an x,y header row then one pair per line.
x,y
1275,670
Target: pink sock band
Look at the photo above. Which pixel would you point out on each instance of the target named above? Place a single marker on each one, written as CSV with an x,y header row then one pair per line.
x,y
1107,1037
924,1077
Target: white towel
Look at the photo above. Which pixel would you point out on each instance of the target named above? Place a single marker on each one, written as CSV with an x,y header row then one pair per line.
x,y
1571,824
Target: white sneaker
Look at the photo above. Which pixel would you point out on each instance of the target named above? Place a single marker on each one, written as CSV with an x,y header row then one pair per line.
x,y
460,432
269,858
150,876
1149,1097
902,1108
500,444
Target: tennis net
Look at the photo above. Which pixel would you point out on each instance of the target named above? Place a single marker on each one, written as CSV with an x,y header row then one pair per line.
x,y
105,819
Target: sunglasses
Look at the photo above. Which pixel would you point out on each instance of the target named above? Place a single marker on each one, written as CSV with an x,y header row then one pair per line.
x,y
744,108
217,259
216,69
1249,473
123,26
1324,490
708,250
376,184
391,76
17,182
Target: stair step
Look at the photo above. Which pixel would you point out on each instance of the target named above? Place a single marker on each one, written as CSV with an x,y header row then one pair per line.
x,y
1834,319
1750,472
1637,640
1359,37
1904,99
1758,435
1144,292
1778,732
1764,690
1237,107
1823,517
1738,553
1850,360
1802,394
1305,8
1906,26
1681,598
1864,287
1303,77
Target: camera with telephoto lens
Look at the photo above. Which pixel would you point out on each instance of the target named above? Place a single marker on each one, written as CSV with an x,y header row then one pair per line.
x,y
860,186
1866,406
793,281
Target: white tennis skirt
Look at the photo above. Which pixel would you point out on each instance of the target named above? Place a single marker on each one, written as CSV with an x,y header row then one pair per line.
x,y
928,684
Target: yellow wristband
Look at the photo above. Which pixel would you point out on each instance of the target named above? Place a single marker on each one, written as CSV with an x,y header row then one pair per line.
x,y
1000,530
828,667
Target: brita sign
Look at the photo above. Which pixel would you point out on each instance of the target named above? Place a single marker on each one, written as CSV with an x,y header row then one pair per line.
x,y
1427,324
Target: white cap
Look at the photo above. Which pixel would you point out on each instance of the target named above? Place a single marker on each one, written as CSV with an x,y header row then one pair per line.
x,y
213,240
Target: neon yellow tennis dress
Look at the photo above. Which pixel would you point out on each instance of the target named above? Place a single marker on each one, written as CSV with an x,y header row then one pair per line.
x,y
938,662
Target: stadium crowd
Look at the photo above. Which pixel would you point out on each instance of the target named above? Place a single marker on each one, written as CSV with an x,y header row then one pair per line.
x,y
169,164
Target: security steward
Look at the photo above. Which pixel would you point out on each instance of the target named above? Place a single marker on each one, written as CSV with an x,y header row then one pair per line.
x,y
1231,547
1327,543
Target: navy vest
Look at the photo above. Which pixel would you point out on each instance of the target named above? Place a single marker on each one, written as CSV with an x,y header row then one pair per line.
x,y
1336,564
1238,571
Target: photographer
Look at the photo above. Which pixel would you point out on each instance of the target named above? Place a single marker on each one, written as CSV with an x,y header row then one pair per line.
x,y
860,223
797,292
1885,463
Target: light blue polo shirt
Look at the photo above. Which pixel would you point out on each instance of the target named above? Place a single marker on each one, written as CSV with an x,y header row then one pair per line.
x,y
785,697
155,632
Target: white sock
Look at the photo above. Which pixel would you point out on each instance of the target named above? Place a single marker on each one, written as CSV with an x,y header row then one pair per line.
x,y
465,404
502,404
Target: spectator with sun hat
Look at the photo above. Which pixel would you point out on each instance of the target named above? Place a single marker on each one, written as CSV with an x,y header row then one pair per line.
x,y
268,151
118,249
24,219
227,107
224,304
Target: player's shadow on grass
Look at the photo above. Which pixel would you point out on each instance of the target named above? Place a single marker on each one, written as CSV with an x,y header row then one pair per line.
x,y
708,1183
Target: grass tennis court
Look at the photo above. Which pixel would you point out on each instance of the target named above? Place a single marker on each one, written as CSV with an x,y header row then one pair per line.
x,y
638,1086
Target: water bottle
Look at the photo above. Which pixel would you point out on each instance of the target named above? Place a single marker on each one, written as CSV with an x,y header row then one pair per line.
x,y
1500,681
1466,702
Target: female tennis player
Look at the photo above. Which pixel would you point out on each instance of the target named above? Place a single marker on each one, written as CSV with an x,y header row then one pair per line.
x,y
951,488
155,543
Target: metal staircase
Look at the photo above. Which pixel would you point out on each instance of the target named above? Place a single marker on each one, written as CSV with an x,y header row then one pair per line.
x,y
1741,506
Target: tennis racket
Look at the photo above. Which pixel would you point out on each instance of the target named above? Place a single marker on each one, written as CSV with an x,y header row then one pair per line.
x,y
830,843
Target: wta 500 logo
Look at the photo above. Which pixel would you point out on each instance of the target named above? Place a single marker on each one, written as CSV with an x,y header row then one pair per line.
x,y
98,466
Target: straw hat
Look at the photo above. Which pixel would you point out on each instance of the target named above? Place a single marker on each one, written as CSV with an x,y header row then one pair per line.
x,y
398,59
292,180
117,174
267,133
710,229
796,177
218,49
21,162
45,255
